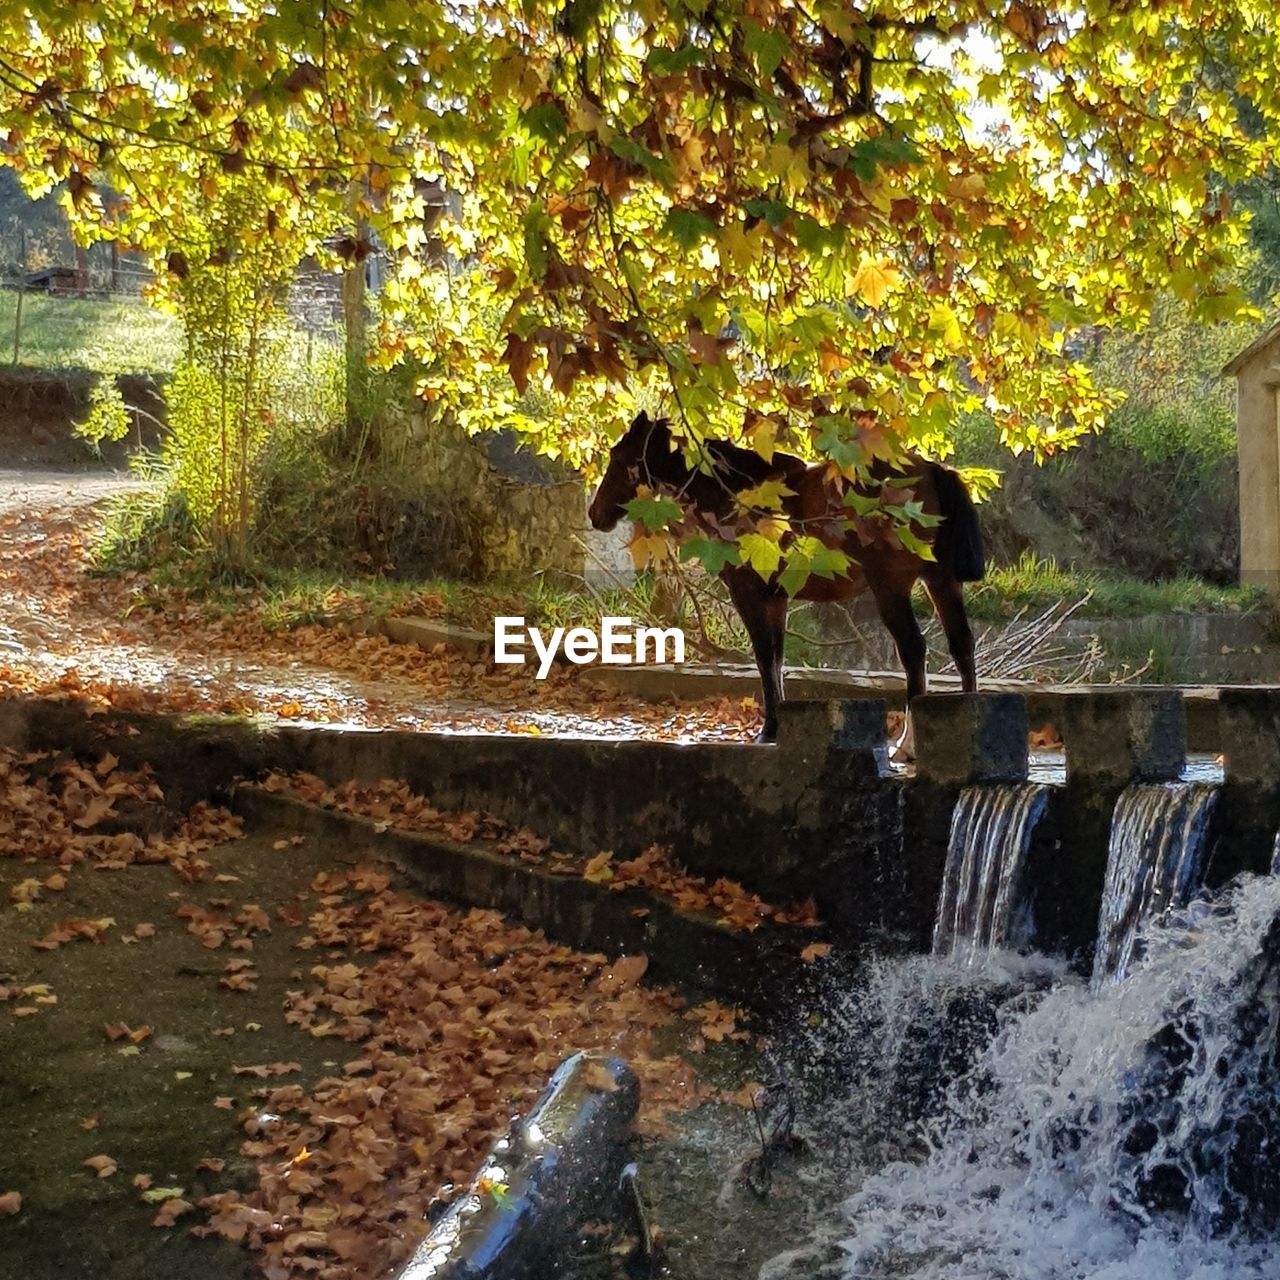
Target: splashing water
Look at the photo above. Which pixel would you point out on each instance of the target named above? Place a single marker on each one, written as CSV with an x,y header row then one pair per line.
x,y
991,831
1154,862
1124,1134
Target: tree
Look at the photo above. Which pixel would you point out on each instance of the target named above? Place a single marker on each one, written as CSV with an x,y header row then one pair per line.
x,y
805,224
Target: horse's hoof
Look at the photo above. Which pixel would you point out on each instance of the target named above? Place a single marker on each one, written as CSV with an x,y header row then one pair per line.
x,y
767,734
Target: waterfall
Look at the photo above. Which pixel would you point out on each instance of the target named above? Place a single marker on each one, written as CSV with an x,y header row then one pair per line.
x,y
1092,1116
991,831
1154,862
1123,1134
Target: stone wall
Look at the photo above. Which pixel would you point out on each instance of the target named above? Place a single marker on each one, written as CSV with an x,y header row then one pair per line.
x,y
530,512
818,814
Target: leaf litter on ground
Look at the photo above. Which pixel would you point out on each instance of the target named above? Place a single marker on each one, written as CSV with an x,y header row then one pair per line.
x,y
455,1020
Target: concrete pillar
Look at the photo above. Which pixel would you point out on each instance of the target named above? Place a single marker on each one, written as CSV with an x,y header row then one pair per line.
x,y
1126,735
963,738
1249,727
811,731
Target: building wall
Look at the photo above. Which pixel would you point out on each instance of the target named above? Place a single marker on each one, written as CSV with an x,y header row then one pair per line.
x,y
1258,410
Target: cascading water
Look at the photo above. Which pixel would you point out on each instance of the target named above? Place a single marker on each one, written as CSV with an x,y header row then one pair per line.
x,y
991,830
1155,861
1127,1133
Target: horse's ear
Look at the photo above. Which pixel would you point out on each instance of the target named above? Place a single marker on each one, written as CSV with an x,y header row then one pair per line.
x,y
638,424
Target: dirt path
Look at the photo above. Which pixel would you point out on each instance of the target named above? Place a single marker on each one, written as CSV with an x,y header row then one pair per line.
x,y
52,491
63,630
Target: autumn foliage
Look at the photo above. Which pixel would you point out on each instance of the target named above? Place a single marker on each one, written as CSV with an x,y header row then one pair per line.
x,y
817,227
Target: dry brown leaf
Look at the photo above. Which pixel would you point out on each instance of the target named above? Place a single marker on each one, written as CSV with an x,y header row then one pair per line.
x,y
171,1211
105,1166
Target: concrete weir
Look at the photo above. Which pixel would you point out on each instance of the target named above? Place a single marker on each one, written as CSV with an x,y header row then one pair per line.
x,y
822,813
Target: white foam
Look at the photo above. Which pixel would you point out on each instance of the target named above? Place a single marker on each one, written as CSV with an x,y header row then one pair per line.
x,y
1022,1174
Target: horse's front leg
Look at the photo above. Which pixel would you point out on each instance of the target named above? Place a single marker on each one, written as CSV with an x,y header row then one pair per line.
x,y
763,609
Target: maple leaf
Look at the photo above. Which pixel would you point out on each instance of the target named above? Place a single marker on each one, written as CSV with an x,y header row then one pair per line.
x,y
874,280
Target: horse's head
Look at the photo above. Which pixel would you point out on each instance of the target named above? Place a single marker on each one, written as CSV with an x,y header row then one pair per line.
x,y
630,464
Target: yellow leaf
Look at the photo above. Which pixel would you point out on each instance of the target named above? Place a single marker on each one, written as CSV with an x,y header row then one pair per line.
x,y
766,496
875,279
761,554
764,439
598,870
944,323
649,548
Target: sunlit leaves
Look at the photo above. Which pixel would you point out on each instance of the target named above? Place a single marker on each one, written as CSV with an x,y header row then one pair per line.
x,y
874,280
711,554
808,556
862,221
762,553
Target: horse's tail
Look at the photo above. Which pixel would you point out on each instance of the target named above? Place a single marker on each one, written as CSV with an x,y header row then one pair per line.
x,y
958,544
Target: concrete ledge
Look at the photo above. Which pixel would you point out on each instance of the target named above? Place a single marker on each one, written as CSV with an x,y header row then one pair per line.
x,y
1044,702
755,969
430,632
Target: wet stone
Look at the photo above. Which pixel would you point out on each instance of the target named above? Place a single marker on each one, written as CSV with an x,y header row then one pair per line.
x,y
814,729
1249,721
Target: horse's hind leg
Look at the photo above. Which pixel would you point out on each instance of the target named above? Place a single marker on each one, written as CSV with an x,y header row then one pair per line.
x,y
898,616
894,604
763,610
948,602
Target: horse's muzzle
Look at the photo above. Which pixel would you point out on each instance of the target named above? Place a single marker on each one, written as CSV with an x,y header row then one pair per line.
x,y
605,521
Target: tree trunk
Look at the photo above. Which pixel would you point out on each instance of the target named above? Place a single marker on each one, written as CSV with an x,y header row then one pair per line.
x,y
355,322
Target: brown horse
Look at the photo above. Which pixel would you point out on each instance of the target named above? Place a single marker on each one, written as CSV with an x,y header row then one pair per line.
x,y
649,455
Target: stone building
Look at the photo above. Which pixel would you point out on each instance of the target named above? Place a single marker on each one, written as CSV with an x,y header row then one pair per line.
x,y
1257,373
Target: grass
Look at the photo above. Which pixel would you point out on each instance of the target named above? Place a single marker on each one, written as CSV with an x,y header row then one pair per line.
x,y
1034,584
101,335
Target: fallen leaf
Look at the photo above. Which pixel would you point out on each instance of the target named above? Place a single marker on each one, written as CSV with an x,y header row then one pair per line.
x,y
170,1212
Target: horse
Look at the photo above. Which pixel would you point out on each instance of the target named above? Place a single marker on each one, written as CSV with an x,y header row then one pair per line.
x,y
649,454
